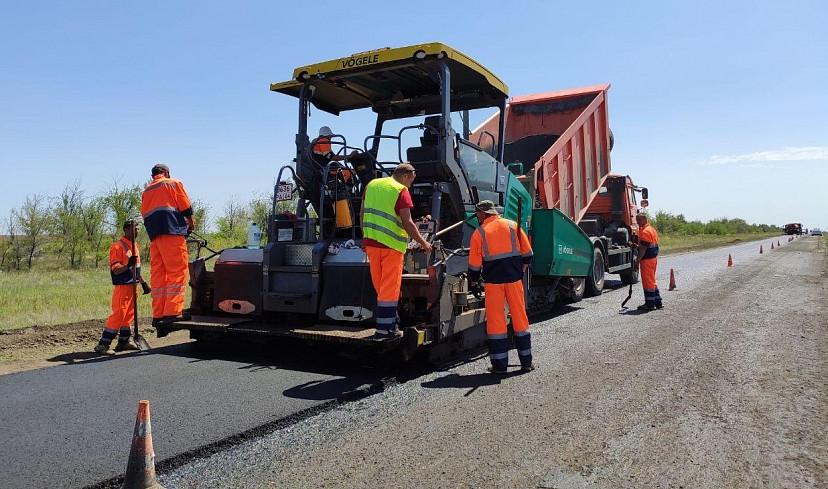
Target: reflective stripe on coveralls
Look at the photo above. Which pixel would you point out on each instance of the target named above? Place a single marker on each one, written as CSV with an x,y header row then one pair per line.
x,y
119,254
386,267
164,206
497,297
123,295
168,275
499,249
380,221
648,237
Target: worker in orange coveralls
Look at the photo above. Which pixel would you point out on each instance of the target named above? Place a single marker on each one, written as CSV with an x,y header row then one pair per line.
x,y
168,219
500,252
386,228
121,263
648,251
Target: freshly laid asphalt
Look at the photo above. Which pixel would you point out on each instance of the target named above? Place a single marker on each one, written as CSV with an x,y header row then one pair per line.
x,y
71,425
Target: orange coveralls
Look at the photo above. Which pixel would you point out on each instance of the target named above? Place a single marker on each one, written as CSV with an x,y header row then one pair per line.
x,y
164,206
498,251
648,237
386,275
123,292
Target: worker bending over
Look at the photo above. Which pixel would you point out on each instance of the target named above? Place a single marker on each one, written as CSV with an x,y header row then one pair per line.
x,y
168,218
501,253
125,270
648,251
386,227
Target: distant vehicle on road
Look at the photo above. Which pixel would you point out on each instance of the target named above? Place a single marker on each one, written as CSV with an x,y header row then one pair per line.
x,y
816,232
793,228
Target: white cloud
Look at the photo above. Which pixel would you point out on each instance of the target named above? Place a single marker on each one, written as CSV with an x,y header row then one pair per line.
x,y
805,153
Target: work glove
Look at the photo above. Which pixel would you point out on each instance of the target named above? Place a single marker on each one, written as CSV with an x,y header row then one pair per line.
x,y
146,288
132,261
476,288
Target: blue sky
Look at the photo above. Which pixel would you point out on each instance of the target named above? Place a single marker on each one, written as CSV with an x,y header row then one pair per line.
x,y
720,108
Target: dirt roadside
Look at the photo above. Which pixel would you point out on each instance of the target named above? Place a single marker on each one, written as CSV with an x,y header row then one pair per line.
x,y
46,346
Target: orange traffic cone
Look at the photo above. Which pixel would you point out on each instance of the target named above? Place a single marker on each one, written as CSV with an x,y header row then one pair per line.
x,y
140,471
672,280
771,244
729,260
760,249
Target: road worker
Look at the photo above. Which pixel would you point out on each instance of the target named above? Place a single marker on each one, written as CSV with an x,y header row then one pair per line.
x,y
168,219
121,263
500,252
386,227
648,251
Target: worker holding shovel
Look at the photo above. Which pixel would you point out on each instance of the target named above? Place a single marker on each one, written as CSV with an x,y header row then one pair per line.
x,y
125,270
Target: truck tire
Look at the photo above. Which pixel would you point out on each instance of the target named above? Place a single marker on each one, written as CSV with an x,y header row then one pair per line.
x,y
595,281
630,275
578,288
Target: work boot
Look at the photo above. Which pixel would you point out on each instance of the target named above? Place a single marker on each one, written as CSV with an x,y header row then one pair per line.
x,y
185,316
102,349
128,345
389,336
527,368
646,308
497,371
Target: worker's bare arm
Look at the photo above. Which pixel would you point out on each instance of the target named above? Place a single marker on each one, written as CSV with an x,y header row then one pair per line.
x,y
411,229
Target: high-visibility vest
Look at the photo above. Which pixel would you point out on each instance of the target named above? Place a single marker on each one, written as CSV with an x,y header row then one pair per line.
x,y
322,146
164,207
119,254
380,221
648,236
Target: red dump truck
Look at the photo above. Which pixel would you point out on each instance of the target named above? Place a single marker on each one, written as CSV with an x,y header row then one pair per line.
x,y
559,143
793,228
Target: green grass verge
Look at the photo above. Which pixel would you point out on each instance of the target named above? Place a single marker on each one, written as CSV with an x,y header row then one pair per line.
x,y
46,297
43,297
677,244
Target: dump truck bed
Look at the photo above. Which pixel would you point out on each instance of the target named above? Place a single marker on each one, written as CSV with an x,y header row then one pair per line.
x,y
564,137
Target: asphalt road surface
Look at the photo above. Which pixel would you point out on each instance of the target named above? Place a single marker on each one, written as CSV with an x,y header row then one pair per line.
x,y
726,387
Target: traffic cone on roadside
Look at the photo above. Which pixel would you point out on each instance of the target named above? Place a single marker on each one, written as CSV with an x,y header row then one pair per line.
x,y
672,280
760,249
140,471
729,260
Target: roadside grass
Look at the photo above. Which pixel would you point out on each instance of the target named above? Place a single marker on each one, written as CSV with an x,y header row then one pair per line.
x,y
48,297
43,297
676,244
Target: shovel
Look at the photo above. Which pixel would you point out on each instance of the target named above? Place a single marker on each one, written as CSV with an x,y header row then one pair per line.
x,y
139,340
629,296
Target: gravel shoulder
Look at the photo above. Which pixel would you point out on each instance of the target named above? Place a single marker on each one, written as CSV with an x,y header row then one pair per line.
x,y
726,387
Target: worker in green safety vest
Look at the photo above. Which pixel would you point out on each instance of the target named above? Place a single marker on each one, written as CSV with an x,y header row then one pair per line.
x,y
386,227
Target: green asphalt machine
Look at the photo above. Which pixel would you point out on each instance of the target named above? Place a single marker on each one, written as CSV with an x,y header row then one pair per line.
x,y
543,159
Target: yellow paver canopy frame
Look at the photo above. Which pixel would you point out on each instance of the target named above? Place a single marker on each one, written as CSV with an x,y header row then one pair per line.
x,y
398,82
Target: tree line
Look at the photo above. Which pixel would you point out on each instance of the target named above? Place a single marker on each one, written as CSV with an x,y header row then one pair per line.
x,y
677,224
74,228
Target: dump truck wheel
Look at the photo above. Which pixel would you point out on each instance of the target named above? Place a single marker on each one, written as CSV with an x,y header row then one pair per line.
x,y
595,282
630,275
578,289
